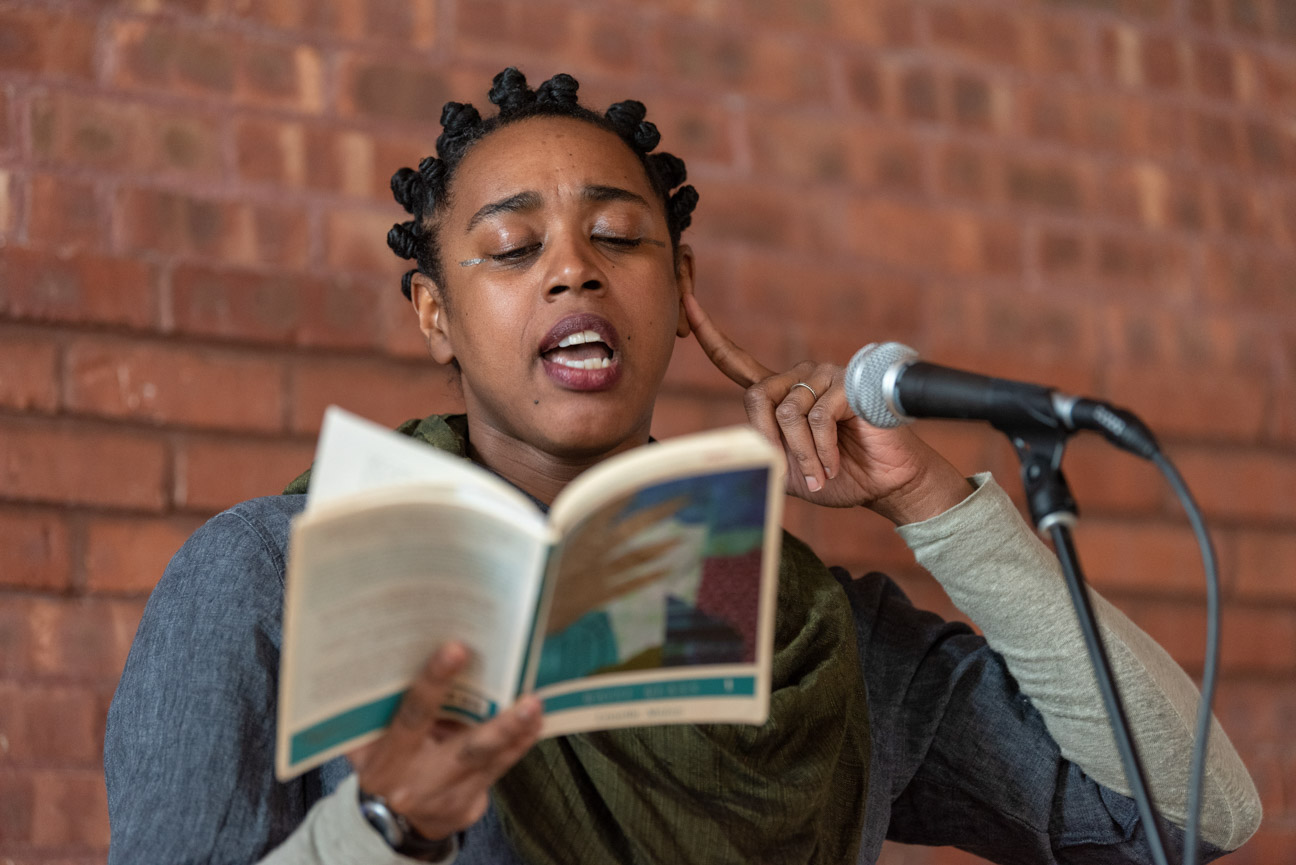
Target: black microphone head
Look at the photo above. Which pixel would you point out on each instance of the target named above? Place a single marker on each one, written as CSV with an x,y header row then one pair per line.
x,y
871,379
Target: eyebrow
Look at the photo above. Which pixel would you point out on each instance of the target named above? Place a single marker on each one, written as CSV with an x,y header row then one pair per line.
x,y
531,200
513,204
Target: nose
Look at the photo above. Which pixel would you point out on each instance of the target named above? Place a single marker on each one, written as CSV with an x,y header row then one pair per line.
x,y
573,263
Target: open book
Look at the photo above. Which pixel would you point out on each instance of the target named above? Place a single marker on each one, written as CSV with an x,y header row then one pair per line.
x,y
645,596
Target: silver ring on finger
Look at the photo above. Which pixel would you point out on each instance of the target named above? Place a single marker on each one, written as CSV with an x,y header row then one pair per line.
x,y
807,387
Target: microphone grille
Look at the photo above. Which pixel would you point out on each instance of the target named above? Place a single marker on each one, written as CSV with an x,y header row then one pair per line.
x,y
866,381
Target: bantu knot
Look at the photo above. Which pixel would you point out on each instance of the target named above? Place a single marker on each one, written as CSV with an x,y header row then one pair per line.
x,y
432,171
680,207
510,92
460,122
407,284
646,136
403,239
669,168
559,90
407,187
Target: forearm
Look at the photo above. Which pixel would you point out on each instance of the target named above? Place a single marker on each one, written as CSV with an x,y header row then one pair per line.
x,y
999,574
335,833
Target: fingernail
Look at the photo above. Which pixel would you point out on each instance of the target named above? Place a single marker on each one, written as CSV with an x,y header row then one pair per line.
x,y
529,710
812,483
832,473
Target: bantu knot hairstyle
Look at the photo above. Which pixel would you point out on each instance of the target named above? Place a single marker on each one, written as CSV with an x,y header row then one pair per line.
x,y
422,191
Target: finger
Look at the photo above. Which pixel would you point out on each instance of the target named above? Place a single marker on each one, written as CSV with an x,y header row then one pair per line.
x,y
422,703
829,410
495,746
728,357
798,437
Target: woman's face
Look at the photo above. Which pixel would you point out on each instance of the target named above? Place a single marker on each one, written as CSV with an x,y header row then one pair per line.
x,y
562,296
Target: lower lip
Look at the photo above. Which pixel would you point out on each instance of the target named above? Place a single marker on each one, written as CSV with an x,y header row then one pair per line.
x,y
583,379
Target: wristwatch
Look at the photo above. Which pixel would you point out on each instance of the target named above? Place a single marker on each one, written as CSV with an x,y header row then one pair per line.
x,y
400,835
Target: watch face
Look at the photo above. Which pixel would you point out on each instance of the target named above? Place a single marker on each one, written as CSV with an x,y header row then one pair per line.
x,y
379,816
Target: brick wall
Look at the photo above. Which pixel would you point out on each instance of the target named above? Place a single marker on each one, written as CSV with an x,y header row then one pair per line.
x,y
1098,194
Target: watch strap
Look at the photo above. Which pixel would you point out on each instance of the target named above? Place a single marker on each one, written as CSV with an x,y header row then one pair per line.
x,y
403,838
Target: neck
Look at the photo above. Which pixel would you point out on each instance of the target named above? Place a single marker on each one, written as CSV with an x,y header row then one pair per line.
x,y
539,472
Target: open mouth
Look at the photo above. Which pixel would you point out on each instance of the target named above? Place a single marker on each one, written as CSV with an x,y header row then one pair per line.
x,y
584,349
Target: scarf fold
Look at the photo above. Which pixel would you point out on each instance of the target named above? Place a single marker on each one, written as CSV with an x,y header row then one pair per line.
x,y
790,791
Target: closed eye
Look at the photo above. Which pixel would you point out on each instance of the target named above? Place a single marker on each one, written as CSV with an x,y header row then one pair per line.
x,y
619,242
518,253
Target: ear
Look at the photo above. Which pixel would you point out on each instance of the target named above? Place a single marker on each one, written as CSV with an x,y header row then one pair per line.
x,y
432,319
684,282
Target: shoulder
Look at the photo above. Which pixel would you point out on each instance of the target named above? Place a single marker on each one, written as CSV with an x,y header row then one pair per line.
x,y
235,562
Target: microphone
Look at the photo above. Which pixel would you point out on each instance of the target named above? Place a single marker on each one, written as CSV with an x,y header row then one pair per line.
x,y
887,385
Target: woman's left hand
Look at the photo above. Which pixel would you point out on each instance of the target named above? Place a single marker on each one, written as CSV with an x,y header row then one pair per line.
x,y
834,458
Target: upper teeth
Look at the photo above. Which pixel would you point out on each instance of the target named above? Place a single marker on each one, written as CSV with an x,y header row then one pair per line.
x,y
579,338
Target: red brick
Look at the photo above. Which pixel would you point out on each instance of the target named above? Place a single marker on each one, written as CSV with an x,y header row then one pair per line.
x,y
700,131
392,89
1140,557
399,335
6,124
1178,403
244,305
1050,184
1254,712
50,725
278,75
778,70
58,463
1256,641
231,232
513,27
156,53
65,214
1055,45
1147,265
8,203
920,95
1265,563
386,392
811,148
1213,70
16,807
79,639
1240,485
988,35
159,54
1162,62
212,475
842,297
752,214
70,808
47,42
678,415
934,240
36,549
1218,139
75,131
165,384
78,288
970,172
1108,481
1247,281
28,372
128,555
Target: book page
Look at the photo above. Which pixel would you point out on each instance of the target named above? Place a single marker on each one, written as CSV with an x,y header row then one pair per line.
x,y
659,600
375,584
355,455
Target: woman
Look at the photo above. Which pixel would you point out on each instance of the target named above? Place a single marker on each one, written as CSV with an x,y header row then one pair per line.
x,y
546,221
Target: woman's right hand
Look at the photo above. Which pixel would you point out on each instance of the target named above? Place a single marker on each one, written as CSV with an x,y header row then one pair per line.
x,y
437,773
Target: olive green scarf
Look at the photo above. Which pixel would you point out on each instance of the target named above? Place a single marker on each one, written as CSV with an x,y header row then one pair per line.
x,y
790,791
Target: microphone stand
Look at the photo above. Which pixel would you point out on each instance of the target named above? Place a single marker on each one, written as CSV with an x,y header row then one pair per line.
x,y
1053,510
